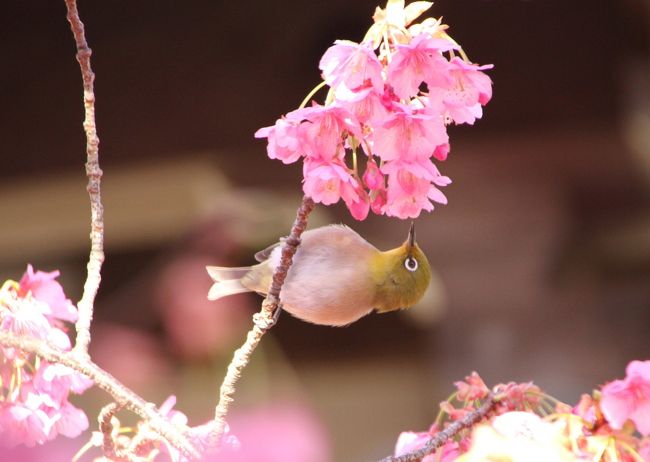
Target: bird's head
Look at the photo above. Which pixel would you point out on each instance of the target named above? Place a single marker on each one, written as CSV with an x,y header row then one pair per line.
x,y
401,275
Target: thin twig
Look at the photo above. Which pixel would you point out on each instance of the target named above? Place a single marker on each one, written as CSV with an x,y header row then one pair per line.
x,y
445,435
263,320
106,427
122,395
94,174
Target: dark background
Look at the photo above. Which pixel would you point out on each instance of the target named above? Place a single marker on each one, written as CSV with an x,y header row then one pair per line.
x,y
542,255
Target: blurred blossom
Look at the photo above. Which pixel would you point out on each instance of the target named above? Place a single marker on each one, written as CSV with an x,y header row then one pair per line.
x,y
44,287
517,437
278,433
34,406
471,388
197,327
629,398
58,450
132,356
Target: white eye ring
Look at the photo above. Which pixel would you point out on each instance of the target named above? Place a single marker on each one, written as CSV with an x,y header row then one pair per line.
x,y
411,264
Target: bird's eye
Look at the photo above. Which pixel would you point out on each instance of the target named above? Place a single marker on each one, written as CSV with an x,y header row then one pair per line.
x,y
411,264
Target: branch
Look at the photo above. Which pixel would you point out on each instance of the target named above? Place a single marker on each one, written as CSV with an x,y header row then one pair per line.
x,y
122,395
263,320
106,427
445,435
94,174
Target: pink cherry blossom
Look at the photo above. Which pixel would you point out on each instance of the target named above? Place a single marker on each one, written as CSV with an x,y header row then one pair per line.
x,y
442,151
368,106
284,140
421,168
58,380
327,182
25,317
351,66
391,96
358,204
409,135
629,398
21,423
472,388
373,178
70,421
470,89
316,131
45,288
408,195
34,406
323,130
420,60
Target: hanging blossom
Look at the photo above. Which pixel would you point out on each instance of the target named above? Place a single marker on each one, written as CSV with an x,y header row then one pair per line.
x,y
390,100
34,406
527,425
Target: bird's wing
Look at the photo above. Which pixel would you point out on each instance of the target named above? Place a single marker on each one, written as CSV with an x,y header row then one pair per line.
x,y
264,255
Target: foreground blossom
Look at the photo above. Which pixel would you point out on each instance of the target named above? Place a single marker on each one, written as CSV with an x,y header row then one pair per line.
x,y
34,406
629,398
391,98
523,424
517,437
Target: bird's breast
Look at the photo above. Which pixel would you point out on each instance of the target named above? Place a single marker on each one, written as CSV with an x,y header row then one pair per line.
x,y
329,284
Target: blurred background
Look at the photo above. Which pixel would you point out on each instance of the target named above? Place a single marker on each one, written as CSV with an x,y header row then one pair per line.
x,y
542,256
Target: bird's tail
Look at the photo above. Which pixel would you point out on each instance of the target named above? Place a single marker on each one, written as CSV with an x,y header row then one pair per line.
x,y
227,281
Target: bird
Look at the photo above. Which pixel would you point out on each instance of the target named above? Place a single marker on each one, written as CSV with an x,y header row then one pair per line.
x,y
336,277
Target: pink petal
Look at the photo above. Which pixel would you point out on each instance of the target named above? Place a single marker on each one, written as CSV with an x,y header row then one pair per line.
x,y
639,368
350,65
641,417
72,422
616,403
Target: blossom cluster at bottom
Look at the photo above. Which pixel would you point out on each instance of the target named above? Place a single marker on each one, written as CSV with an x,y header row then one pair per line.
x,y
34,405
526,425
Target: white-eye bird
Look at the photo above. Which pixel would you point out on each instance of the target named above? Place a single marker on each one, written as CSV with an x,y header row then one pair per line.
x,y
336,277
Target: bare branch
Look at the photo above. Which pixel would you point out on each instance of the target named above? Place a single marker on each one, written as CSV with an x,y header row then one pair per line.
x,y
94,174
448,433
122,395
263,320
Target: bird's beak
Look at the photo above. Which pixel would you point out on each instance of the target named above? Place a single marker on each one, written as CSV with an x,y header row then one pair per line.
x,y
411,238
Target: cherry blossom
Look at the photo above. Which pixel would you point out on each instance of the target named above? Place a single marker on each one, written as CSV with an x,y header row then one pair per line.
x,y
351,66
420,60
44,287
391,98
327,182
517,437
629,398
34,406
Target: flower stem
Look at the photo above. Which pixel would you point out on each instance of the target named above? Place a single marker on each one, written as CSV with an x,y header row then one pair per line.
x,y
311,93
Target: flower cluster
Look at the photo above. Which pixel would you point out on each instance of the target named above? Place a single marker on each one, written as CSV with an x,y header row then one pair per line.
x,y
527,425
34,406
391,97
